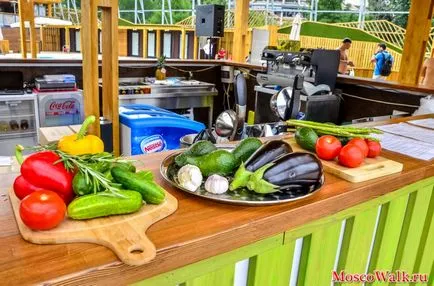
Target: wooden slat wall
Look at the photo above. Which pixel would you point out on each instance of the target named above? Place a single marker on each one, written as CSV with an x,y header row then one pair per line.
x,y
123,43
51,39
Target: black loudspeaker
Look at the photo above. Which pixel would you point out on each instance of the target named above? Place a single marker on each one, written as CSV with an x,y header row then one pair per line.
x,y
210,20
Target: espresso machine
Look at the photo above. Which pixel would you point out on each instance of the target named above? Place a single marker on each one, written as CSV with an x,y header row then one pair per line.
x,y
313,72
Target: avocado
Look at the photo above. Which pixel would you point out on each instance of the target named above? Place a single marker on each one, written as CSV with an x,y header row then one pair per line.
x,y
306,138
199,148
246,148
219,162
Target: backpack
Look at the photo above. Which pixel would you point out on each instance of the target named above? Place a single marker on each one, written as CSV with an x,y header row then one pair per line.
x,y
386,69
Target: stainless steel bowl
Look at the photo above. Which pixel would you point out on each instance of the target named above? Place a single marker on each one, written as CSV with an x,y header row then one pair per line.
x,y
187,140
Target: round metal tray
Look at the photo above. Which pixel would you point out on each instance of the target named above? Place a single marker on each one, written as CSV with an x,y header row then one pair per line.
x,y
243,196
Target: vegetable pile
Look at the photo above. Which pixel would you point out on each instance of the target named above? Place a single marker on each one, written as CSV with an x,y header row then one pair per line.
x,y
350,145
77,178
261,168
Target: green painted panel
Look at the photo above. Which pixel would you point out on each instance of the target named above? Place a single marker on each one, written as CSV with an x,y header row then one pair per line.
x,y
191,271
358,231
425,256
322,255
221,277
411,236
272,267
311,227
387,236
304,256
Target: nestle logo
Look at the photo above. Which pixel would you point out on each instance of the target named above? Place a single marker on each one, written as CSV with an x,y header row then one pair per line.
x,y
154,143
66,105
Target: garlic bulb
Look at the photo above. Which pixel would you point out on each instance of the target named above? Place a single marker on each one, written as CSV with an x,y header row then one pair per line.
x,y
216,184
190,177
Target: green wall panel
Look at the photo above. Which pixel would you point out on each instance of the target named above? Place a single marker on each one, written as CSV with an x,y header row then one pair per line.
x,y
404,240
272,267
322,255
387,236
414,222
357,241
221,277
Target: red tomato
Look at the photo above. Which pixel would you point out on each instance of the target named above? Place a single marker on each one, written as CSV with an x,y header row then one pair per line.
x,y
327,147
374,148
351,156
361,143
42,210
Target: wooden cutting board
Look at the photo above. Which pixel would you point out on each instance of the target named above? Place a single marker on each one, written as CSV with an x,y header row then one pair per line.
x,y
370,169
124,234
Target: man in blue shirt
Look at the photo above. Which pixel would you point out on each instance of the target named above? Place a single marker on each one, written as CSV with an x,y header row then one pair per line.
x,y
379,58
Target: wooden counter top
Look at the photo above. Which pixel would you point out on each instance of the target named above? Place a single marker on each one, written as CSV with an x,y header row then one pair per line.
x,y
383,84
199,229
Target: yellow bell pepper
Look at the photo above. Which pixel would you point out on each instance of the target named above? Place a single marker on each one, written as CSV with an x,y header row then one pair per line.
x,y
80,143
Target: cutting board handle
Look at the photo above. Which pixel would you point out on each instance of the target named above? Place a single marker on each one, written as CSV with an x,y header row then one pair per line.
x,y
130,244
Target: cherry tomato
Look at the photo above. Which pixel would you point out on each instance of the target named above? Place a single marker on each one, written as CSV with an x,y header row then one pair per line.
x,y
42,210
374,148
327,147
351,156
359,142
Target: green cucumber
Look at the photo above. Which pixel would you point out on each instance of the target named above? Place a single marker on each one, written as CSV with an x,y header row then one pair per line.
x,y
306,138
141,182
246,148
199,148
104,204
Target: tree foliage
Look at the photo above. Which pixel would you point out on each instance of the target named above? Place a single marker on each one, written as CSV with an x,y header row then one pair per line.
x,y
335,17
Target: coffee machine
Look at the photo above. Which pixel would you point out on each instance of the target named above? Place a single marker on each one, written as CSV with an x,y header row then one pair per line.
x,y
298,85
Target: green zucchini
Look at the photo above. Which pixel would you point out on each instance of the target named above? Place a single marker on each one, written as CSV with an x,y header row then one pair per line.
x,y
104,204
141,182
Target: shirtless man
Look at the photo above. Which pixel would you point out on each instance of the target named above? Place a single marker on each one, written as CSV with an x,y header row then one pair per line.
x,y
428,73
344,62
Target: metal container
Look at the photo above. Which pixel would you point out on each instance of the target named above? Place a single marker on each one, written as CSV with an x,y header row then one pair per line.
x,y
187,140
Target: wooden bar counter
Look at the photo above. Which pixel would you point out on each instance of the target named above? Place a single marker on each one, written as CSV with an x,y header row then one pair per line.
x,y
201,242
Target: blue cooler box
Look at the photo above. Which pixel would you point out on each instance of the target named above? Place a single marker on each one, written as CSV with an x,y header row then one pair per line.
x,y
147,129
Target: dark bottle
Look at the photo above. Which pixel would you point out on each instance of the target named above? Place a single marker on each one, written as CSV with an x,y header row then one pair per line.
x,y
24,124
14,125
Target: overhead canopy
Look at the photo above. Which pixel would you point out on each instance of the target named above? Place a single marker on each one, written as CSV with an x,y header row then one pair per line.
x,y
44,21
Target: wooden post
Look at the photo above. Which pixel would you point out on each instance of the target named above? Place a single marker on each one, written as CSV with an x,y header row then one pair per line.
x,y
416,37
182,44
25,9
41,38
22,32
50,10
110,76
89,49
195,46
240,30
67,38
145,43
272,35
158,44
110,71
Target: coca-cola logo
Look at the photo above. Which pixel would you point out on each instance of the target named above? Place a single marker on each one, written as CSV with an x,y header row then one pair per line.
x,y
65,105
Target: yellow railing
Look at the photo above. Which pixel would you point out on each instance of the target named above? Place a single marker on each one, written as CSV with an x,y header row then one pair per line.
x,y
360,52
388,32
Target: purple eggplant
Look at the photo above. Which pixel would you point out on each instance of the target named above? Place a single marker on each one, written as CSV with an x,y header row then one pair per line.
x,y
264,155
291,170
